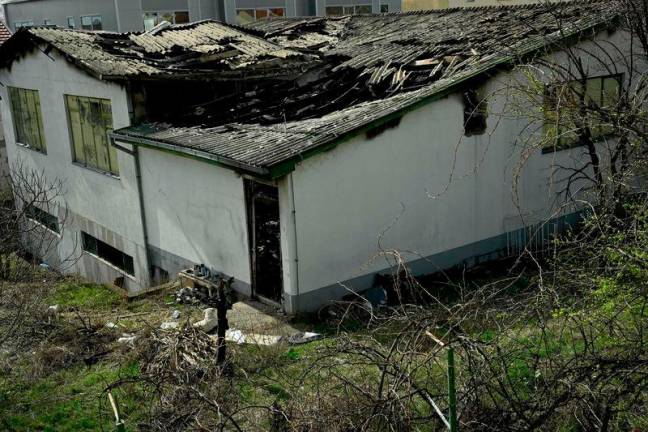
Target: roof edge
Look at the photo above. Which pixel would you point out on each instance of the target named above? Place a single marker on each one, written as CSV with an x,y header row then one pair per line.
x,y
188,152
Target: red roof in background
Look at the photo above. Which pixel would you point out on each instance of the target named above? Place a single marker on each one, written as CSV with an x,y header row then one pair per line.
x,y
5,33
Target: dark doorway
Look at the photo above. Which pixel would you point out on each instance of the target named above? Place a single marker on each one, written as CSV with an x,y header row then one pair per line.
x,y
265,244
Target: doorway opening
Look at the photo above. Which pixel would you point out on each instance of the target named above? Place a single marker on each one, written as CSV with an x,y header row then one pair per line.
x,y
265,243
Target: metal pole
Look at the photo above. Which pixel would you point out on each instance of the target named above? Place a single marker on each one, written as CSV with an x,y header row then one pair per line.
x,y
452,392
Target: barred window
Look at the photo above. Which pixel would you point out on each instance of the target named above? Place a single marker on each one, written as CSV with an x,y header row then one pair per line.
x,y
90,122
27,118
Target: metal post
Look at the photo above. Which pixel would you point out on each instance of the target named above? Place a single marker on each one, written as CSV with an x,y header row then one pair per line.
x,y
452,392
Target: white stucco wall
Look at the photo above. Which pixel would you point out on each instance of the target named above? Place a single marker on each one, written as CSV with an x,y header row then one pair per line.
x,y
196,210
97,202
421,188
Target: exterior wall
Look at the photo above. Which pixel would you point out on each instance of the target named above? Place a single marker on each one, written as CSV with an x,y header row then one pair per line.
x,y
4,164
195,214
422,188
102,205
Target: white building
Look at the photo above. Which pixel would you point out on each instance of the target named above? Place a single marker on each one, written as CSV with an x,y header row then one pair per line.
x,y
203,168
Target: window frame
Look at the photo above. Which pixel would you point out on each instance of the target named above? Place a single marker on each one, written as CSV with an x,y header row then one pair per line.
x,y
549,127
354,7
267,9
70,19
73,145
24,23
99,244
161,13
42,146
92,23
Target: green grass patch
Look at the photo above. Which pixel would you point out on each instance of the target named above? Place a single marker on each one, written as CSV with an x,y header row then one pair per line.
x,y
69,400
86,296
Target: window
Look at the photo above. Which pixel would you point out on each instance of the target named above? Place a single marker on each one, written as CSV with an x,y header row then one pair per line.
x,y
91,22
90,121
47,22
102,250
244,16
151,19
475,113
71,23
27,118
563,105
20,24
384,8
42,217
348,10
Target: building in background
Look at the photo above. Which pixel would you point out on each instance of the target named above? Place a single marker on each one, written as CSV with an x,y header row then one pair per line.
x,y
137,15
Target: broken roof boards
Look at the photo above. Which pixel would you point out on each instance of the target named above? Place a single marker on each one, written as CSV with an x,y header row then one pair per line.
x,y
318,80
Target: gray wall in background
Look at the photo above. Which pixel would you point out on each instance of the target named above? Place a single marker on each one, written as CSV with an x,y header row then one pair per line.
x,y
58,10
127,15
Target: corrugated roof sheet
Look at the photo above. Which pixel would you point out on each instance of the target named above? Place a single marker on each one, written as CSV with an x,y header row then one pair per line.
x,y
373,66
203,50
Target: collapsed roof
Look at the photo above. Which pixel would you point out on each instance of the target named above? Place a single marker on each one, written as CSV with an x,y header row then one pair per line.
x,y
337,76
199,51
372,68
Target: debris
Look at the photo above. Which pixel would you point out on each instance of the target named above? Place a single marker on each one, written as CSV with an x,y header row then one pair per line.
x,y
238,337
127,339
175,314
111,325
305,337
209,322
171,325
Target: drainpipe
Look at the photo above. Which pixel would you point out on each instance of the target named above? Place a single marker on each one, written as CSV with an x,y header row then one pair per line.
x,y
140,196
294,239
138,179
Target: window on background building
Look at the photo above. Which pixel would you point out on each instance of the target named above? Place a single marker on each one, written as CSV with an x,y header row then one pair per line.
x,y
71,23
90,121
384,8
562,110
91,22
244,16
153,18
96,247
27,118
48,22
347,10
42,217
21,24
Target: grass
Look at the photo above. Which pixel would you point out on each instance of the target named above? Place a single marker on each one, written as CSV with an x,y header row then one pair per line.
x,y
86,296
68,400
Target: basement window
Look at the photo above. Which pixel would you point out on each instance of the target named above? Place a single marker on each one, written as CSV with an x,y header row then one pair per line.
x,y
27,118
42,217
90,121
70,22
475,113
119,259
